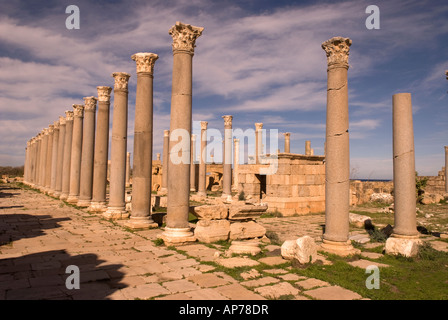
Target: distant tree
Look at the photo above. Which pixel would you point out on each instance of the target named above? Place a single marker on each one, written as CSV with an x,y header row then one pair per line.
x,y
420,185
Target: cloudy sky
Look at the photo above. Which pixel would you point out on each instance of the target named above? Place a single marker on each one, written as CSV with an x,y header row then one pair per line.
x,y
260,61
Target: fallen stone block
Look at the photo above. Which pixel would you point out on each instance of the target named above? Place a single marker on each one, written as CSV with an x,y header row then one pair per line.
x,y
211,212
246,230
209,231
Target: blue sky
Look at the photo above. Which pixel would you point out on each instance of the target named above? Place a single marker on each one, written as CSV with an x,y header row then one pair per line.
x,y
260,61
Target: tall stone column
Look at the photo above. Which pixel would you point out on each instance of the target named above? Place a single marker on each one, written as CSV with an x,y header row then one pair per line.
x,y
54,158
165,160
236,163
177,227
98,203
158,156
66,165
75,162
192,164
60,158
405,234
140,217
337,165
116,207
258,141
43,159
202,187
47,182
307,147
446,171
88,149
128,169
287,142
227,157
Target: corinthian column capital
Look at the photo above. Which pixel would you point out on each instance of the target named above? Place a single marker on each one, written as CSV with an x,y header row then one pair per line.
x,y
145,61
78,110
62,120
227,121
56,125
258,126
68,115
204,125
121,80
337,50
90,103
104,93
184,37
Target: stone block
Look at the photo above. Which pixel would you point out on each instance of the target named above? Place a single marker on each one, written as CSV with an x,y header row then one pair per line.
x,y
403,246
209,231
246,230
244,212
211,212
303,249
358,220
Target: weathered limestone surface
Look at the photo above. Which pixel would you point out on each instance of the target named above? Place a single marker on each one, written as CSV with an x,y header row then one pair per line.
x,y
227,163
88,150
184,38
211,212
75,162
209,231
60,157
202,191
67,155
98,203
303,249
143,136
337,165
116,207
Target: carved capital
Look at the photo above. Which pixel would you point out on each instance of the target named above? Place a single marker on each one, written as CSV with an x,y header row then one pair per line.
x,y
227,121
184,37
56,125
145,61
78,110
50,129
45,131
104,93
258,126
69,115
121,80
90,103
204,125
337,50
287,134
62,120
166,133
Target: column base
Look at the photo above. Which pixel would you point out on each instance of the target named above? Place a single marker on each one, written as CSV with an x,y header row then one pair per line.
x,y
57,194
72,199
141,223
245,247
343,248
97,206
83,203
115,213
63,196
177,236
192,189
407,246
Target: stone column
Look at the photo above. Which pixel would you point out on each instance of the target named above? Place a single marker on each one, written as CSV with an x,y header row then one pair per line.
x,y
287,142
37,160
75,162
128,169
100,159
116,207
140,217
258,141
43,159
404,166
192,164
227,157
165,160
202,187
88,148
404,239
337,165
307,147
66,165
49,158
158,156
177,227
446,171
236,163
60,158
54,158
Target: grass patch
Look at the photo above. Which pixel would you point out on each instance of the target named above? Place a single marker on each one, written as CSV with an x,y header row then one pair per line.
x,y
274,214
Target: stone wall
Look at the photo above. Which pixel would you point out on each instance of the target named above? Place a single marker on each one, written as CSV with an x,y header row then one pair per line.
x,y
361,191
298,186
436,184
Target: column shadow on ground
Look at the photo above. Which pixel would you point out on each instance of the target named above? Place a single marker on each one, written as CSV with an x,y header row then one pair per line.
x,y
44,276
8,194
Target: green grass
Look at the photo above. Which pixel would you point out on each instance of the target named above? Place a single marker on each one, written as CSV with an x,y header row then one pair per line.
x,y
422,278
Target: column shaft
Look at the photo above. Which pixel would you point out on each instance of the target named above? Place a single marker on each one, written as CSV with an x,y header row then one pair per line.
x,y
66,165
88,149
202,187
54,157
227,157
165,160
192,164
75,161
60,158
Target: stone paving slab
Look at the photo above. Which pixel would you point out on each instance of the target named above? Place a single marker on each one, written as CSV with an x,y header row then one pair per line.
x,y
332,293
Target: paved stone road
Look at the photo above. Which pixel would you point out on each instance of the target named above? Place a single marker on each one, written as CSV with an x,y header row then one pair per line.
x,y
41,236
